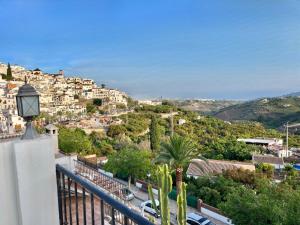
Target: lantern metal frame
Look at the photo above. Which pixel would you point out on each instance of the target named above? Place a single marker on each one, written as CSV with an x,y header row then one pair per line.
x,y
27,91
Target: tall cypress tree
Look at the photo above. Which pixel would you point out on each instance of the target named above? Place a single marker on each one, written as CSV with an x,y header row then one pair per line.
x,y
154,134
9,73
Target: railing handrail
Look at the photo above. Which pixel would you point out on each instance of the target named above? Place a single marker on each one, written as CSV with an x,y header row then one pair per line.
x,y
104,196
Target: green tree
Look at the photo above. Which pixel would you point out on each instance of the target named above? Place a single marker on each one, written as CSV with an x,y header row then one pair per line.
x,y
9,73
154,134
97,101
95,137
178,153
116,130
100,144
129,163
74,140
3,76
90,108
106,148
265,168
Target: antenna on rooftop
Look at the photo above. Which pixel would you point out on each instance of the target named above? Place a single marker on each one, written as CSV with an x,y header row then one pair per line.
x,y
287,133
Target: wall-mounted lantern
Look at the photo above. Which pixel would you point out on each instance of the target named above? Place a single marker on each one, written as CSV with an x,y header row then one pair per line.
x,y
28,105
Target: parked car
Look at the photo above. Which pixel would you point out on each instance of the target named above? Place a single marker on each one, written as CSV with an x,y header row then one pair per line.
x,y
149,208
197,219
128,195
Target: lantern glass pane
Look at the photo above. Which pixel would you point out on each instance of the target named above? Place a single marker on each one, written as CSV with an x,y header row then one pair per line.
x,y
30,106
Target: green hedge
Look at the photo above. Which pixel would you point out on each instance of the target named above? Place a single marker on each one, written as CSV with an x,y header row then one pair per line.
x,y
191,200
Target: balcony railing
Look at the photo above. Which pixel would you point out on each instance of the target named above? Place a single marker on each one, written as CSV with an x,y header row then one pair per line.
x,y
81,202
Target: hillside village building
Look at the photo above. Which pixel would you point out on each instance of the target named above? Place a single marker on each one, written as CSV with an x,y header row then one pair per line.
x,y
272,145
58,94
266,142
277,162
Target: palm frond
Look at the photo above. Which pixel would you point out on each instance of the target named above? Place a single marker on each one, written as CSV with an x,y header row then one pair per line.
x,y
178,151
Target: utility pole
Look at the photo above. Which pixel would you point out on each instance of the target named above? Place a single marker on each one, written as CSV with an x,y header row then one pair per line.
x,y
287,134
287,138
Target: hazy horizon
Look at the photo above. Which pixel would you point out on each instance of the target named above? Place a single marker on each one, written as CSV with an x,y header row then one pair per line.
x,y
191,49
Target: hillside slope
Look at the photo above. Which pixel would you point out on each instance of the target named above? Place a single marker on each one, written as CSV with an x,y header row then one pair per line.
x,y
272,112
204,106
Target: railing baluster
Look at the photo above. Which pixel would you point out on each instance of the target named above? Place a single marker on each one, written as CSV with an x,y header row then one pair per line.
x,y
65,202
102,212
76,204
84,206
92,209
70,200
58,181
113,222
125,220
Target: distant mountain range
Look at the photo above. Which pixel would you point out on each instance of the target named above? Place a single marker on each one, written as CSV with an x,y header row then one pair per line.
x,y
272,112
294,94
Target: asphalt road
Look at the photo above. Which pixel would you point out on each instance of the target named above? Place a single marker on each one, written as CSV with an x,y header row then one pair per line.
x,y
142,196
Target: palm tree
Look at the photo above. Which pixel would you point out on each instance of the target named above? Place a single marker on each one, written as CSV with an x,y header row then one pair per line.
x,y
178,153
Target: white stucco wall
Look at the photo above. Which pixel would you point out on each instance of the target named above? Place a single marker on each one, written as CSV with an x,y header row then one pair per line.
x,y
216,216
67,161
28,190
8,186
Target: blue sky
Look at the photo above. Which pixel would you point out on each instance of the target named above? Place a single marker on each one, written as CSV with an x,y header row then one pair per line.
x,y
234,49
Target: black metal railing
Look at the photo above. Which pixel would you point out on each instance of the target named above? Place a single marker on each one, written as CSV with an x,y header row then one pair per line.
x,y
81,202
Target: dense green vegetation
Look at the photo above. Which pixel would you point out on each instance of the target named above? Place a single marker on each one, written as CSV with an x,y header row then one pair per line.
x,y
135,126
269,204
77,141
73,140
240,194
250,197
130,163
230,149
272,112
214,138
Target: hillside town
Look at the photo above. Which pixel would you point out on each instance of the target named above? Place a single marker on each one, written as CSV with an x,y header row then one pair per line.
x,y
104,137
60,95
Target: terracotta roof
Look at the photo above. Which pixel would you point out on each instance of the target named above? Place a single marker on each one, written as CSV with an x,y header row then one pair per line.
x,y
199,167
267,159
